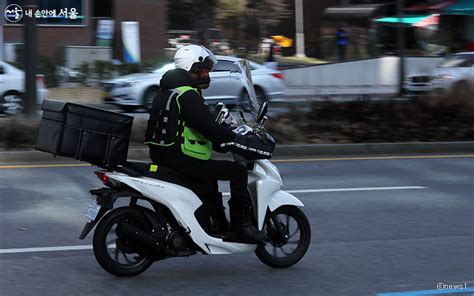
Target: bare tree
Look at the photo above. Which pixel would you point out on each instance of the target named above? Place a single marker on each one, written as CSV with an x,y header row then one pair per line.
x,y
246,21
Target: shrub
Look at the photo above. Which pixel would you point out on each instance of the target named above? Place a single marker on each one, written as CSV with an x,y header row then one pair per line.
x,y
47,67
18,132
125,69
378,121
103,69
85,70
324,122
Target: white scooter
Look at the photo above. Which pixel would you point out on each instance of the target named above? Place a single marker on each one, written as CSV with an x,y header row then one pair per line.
x,y
165,218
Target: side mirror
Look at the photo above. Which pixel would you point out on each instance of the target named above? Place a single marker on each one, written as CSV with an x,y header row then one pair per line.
x,y
220,112
218,108
262,112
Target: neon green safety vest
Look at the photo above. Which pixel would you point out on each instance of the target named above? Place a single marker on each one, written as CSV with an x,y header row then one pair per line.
x,y
192,143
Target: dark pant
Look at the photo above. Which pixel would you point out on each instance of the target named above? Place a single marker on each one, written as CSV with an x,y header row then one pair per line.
x,y
208,172
341,52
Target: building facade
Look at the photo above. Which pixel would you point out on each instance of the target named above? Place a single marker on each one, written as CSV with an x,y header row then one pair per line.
x,y
55,33
323,18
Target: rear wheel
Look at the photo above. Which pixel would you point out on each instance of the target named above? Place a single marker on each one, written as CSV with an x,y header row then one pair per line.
x,y
288,236
115,252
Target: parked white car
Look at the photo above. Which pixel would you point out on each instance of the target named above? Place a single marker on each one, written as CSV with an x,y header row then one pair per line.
x,y
454,75
136,90
65,74
12,87
418,84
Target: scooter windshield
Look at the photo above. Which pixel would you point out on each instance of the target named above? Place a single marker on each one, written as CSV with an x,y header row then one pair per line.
x,y
247,102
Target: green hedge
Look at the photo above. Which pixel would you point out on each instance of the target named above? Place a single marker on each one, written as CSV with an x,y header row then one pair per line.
x,y
360,121
18,132
364,121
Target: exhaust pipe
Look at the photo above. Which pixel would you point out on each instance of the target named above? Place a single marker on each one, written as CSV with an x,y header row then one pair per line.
x,y
137,235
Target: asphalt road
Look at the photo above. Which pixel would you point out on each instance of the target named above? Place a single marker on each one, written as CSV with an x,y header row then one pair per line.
x,y
378,226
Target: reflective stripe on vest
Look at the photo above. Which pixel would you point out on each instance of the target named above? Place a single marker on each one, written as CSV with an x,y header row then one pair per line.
x,y
165,120
193,144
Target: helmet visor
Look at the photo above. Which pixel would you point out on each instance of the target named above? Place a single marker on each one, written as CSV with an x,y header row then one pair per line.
x,y
210,60
210,56
204,65
208,64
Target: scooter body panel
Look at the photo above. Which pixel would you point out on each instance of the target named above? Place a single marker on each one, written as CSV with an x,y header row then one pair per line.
x,y
265,183
183,203
282,198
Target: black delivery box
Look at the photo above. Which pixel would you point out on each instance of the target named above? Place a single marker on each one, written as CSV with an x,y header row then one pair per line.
x,y
85,133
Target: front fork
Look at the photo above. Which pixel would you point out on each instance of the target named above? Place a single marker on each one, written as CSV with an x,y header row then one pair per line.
x,y
278,231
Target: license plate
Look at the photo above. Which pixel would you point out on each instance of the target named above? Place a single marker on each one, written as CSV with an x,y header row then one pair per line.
x,y
92,211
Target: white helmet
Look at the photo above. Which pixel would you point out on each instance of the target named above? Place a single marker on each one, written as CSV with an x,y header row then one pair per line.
x,y
194,57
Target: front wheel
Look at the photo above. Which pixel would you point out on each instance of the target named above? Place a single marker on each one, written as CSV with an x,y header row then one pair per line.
x,y
114,251
288,236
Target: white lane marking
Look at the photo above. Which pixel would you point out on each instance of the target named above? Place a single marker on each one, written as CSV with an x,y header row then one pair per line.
x,y
45,249
349,189
356,189
49,249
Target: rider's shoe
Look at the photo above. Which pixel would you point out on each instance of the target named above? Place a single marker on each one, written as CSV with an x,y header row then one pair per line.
x,y
219,223
242,230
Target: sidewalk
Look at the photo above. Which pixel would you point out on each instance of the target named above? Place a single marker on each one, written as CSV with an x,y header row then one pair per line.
x,y
77,94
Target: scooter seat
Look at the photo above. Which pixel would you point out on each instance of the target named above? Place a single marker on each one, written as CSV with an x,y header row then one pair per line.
x,y
145,169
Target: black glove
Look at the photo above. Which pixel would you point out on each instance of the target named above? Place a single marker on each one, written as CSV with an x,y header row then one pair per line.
x,y
251,146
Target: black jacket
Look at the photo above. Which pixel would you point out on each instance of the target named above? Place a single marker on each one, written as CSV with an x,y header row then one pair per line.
x,y
194,111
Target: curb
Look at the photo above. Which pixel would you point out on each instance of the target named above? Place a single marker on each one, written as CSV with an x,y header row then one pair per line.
x,y
304,150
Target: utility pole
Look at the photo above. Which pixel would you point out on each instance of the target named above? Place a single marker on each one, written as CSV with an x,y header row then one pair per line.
x,y
31,57
401,44
300,48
